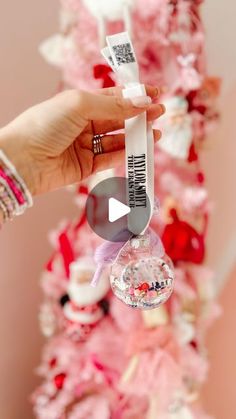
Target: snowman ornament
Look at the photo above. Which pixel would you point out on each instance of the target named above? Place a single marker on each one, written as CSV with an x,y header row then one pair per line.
x,y
107,10
82,307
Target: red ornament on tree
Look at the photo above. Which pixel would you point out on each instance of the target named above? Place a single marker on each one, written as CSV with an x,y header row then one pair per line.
x,y
182,242
102,71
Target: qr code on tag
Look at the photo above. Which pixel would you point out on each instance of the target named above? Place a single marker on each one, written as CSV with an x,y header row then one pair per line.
x,y
123,54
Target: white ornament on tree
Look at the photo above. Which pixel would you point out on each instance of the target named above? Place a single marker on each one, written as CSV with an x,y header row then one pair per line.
x,y
53,49
82,295
176,127
79,288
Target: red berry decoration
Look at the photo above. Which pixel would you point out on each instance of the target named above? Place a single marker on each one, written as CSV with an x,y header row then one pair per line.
x,y
194,344
53,362
59,380
200,177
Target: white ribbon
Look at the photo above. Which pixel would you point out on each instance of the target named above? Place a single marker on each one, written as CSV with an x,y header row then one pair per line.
x,y
139,142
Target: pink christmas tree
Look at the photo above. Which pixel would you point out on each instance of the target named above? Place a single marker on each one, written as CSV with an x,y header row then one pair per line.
x,y
104,360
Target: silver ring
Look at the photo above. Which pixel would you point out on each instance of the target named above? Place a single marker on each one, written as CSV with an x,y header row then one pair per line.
x,y
97,144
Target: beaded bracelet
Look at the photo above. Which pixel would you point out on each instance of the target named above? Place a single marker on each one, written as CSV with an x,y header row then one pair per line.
x,y
15,197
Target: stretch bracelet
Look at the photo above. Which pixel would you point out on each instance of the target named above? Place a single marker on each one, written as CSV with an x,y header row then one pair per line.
x,y
8,200
15,197
17,192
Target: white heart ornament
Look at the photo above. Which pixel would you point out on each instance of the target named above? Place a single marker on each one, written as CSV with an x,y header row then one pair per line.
x,y
52,49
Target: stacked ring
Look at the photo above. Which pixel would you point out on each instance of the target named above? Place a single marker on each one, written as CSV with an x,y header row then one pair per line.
x,y
97,144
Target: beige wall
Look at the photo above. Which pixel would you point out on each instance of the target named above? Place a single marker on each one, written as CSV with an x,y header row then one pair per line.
x,y
26,79
220,390
220,164
220,156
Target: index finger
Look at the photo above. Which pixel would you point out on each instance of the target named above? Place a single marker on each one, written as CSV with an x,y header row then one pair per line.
x,y
151,91
90,106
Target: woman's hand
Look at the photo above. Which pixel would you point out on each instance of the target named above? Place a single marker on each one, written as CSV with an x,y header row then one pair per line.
x,y
51,143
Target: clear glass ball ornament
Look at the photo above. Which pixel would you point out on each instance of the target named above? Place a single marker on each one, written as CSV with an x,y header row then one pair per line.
x,y
142,275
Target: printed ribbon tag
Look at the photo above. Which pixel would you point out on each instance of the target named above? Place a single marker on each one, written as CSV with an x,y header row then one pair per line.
x,y
139,142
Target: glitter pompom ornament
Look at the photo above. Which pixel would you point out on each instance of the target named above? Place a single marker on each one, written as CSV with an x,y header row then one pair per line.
x,y
142,275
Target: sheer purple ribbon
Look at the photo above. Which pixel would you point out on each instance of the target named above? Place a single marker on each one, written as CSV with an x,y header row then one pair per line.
x,y
107,252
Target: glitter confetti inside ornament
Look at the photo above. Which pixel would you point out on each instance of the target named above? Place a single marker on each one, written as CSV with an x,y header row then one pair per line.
x,y
142,275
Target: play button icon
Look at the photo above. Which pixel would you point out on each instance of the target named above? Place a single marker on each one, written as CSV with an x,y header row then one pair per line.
x,y
117,210
108,214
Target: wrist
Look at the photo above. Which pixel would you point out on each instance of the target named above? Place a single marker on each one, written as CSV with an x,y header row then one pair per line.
x,y
13,148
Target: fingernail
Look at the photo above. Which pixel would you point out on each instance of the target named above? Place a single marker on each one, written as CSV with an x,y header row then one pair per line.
x,y
157,92
141,101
